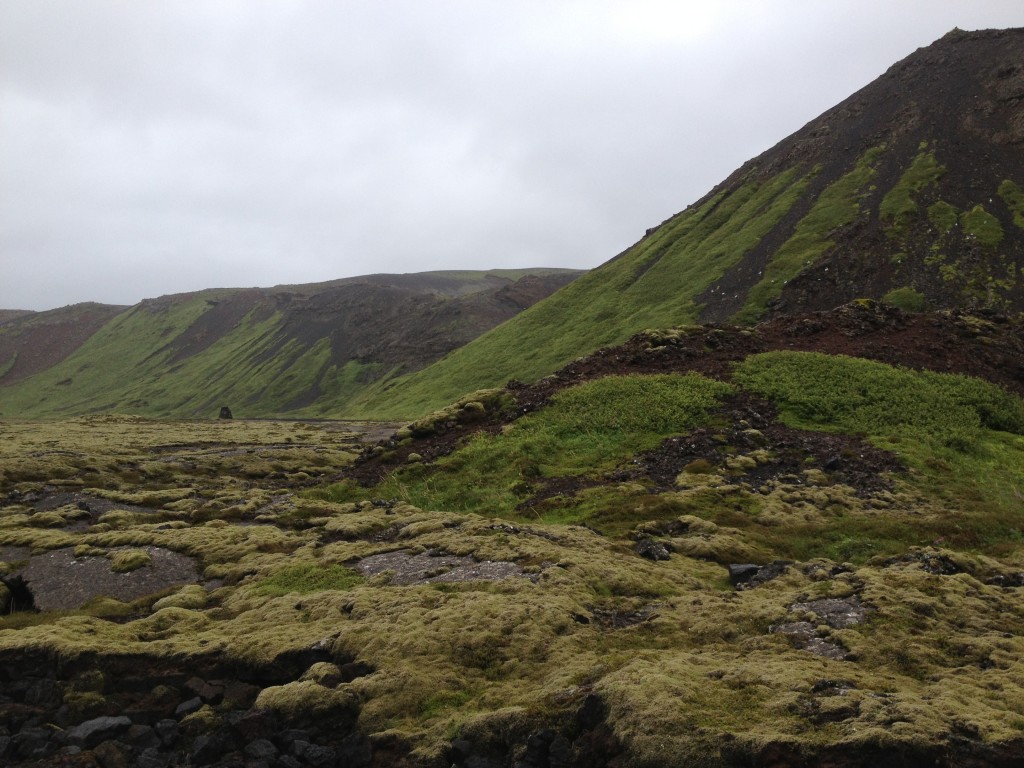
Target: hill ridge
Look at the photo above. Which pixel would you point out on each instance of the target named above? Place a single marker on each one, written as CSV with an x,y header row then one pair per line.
x,y
263,351
910,190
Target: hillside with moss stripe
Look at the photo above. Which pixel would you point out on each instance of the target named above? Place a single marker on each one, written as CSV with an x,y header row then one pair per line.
x,y
907,191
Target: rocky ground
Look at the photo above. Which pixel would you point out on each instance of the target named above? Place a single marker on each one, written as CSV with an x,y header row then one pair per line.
x,y
738,589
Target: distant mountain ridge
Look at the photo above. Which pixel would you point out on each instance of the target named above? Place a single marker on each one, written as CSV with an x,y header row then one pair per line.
x,y
300,349
910,191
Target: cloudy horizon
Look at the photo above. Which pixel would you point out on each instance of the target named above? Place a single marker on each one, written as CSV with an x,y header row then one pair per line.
x,y
155,148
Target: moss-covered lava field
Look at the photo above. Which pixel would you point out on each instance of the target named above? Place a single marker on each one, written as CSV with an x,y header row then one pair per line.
x,y
762,554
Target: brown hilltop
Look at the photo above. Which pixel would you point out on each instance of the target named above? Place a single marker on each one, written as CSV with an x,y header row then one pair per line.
x,y
34,341
961,100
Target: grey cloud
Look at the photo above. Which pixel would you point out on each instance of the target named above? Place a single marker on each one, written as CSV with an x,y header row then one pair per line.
x,y
150,148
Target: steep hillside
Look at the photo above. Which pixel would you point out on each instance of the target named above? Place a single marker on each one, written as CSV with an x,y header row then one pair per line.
x,y
31,342
911,190
295,349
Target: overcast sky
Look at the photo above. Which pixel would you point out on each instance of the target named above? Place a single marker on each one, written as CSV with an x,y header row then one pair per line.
x,y
159,146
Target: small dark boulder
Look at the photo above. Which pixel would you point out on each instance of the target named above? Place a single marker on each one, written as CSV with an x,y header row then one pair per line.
x,y
208,748
741,573
167,731
1007,580
35,742
355,751
99,729
188,707
225,412
748,576
260,749
652,550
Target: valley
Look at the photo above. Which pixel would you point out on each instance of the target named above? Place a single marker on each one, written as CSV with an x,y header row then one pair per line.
x,y
695,544
750,493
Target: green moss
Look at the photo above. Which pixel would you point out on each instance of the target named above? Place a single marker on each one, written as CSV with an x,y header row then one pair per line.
x,y
981,225
943,216
127,560
308,578
838,205
304,702
191,596
908,299
1013,196
899,208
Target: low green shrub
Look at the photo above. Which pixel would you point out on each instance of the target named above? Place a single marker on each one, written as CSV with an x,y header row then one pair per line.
x,y
908,299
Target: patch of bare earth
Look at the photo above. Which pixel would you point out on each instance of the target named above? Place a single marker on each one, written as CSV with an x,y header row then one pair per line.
x,y
60,581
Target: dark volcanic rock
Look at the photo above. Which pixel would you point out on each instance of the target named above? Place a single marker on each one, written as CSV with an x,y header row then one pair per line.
x,y
92,732
652,550
741,573
747,576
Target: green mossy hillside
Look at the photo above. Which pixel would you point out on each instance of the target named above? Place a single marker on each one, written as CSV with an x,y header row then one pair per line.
x,y
304,351
837,206
653,284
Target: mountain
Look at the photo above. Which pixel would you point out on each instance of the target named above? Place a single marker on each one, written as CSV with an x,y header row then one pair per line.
x,y
911,190
301,349
730,545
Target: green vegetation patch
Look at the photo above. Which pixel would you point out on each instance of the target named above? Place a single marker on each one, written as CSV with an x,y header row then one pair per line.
x,y
857,396
588,428
943,216
961,437
982,226
906,298
899,208
838,205
307,578
1013,196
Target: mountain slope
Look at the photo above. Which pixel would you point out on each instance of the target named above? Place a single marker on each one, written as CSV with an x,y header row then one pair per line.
x,y
31,342
295,349
911,190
